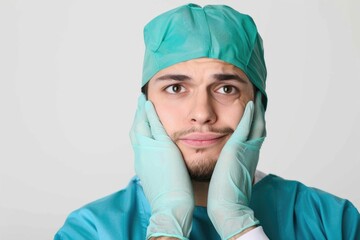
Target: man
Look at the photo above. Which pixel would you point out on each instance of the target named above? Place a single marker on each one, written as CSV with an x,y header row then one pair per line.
x,y
197,135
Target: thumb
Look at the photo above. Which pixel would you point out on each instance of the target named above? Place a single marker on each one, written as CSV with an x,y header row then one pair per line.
x,y
258,128
243,129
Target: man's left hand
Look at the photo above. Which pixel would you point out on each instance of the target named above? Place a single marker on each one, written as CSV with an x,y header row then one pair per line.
x,y
231,182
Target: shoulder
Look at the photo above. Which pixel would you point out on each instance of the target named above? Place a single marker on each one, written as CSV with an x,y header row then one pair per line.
x,y
107,216
299,208
120,201
297,192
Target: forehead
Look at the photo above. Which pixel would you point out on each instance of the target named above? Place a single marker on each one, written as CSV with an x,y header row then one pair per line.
x,y
202,66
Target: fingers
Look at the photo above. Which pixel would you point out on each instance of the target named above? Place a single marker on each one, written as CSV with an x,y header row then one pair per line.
x,y
242,131
146,122
258,128
141,124
141,101
157,129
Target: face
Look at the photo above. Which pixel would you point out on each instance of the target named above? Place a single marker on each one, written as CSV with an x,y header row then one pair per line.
x,y
200,102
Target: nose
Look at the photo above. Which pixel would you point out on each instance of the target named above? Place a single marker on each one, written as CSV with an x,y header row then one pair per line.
x,y
202,109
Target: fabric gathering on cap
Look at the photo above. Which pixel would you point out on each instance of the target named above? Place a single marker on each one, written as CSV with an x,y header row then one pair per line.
x,y
212,31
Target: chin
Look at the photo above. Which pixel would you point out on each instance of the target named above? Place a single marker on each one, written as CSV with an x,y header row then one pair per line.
x,y
201,169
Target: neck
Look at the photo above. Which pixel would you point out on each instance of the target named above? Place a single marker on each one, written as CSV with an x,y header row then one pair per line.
x,y
200,192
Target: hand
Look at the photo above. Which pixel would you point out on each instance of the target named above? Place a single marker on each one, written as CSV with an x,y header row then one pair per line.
x,y
231,182
163,174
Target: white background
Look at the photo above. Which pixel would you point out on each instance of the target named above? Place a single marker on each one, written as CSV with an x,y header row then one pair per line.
x,y
70,75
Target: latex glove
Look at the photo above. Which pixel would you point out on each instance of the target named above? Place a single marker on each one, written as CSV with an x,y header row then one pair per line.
x,y
231,182
163,174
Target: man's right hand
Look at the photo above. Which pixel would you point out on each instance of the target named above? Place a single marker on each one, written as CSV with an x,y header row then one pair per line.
x,y
163,174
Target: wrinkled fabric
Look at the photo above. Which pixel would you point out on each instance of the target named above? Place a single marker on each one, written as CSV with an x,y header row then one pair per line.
x,y
286,210
212,31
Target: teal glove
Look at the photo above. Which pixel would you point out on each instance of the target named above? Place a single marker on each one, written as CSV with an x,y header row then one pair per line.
x,y
231,182
163,174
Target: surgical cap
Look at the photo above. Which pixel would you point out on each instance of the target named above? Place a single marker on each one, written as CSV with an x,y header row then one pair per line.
x,y
212,31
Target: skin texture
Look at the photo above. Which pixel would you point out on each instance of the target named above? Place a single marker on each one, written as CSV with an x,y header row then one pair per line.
x,y
200,102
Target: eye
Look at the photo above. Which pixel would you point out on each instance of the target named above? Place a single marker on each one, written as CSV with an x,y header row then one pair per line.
x,y
175,88
227,89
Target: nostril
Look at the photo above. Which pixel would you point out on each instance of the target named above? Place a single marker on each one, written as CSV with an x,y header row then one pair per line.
x,y
201,120
202,110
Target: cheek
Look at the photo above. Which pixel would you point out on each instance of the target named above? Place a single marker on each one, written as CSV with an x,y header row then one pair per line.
x,y
242,105
169,117
232,115
233,118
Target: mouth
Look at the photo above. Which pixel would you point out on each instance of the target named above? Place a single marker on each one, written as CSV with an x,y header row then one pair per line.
x,y
202,140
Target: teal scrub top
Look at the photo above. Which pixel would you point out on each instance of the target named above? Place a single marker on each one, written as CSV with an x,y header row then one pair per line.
x,y
286,210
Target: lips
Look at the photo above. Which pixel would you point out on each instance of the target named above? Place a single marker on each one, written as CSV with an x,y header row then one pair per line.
x,y
201,139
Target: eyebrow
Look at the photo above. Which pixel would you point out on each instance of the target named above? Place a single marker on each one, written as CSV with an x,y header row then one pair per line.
x,y
218,76
224,77
177,77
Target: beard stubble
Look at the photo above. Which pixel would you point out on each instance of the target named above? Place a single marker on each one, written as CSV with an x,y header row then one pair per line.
x,y
200,168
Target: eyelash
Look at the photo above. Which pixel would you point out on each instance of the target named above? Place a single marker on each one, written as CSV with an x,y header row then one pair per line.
x,y
233,89
169,89
174,85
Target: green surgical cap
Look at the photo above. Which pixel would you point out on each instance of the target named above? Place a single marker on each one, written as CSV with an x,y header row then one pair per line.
x,y
212,31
